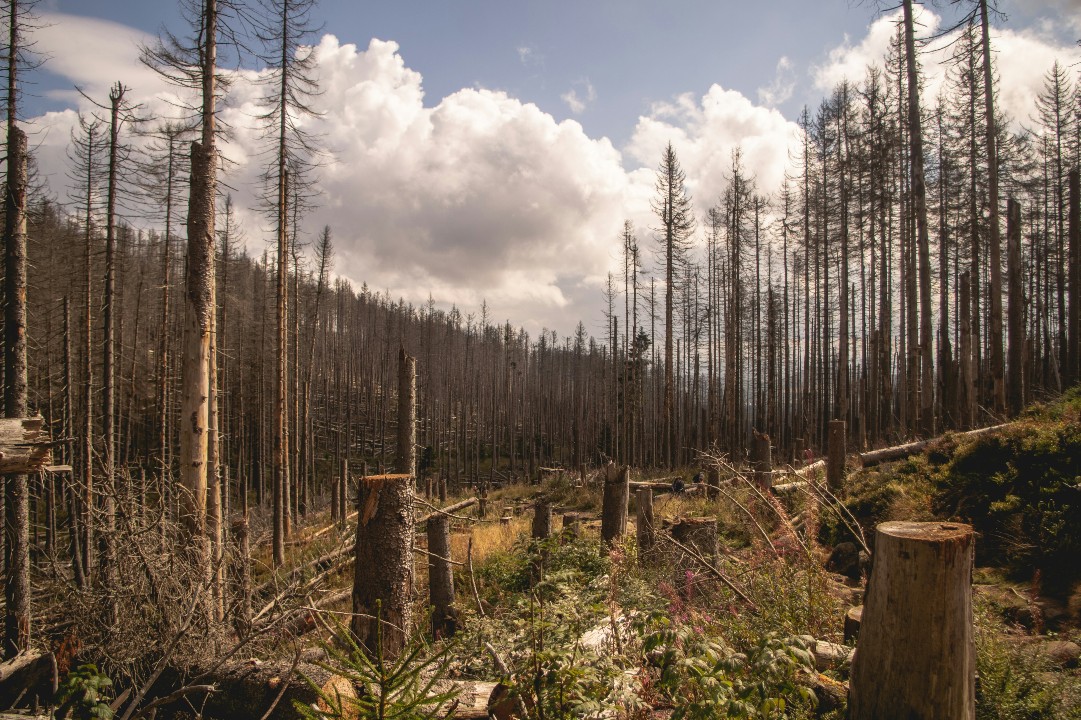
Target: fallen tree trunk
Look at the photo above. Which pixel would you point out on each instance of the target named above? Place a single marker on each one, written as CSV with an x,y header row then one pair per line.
x,y
899,452
245,689
28,677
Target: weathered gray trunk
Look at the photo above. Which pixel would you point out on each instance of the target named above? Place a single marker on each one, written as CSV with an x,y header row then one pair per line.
x,y
916,656
241,576
383,573
441,577
1074,347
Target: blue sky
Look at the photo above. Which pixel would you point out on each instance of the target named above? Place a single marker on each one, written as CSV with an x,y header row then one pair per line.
x,y
490,150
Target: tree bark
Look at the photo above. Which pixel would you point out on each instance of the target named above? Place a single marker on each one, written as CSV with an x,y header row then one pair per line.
x,y
16,491
614,509
916,656
835,457
995,251
441,578
406,459
1074,351
1015,294
383,574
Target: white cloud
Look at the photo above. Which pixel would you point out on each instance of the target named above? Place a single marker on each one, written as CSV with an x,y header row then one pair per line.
x,y
480,195
578,103
782,86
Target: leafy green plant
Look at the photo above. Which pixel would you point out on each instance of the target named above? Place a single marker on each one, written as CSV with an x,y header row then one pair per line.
x,y
703,678
84,695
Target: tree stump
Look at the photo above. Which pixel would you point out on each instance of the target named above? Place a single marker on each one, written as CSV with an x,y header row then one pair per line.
x,y
617,496
700,536
647,534
835,457
916,657
853,619
713,482
571,524
542,530
383,574
441,577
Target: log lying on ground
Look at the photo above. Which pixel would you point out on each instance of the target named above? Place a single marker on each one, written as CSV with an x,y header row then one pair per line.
x,y
448,509
31,675
244,689
804,473
899,452
25,445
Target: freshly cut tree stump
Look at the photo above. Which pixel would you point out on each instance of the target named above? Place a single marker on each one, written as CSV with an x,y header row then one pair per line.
x,y
647,534
916,657
383,574
617,496
441,578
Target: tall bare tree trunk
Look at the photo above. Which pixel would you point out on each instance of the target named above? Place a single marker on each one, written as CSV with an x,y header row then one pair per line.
x,y
1015,385
199,308
406,459
997,360
919,198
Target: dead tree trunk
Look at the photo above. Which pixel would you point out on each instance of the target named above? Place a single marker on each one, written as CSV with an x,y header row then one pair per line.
x,y
835,457
967,394
916,656
1074,338
762,461
16,493
647,535
700,536
406,461
441,578
241,578
1015,310
340,491
383,573
614,510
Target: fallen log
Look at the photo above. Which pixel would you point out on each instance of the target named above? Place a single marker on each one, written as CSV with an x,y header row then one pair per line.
x,y
242,689
25,445
28,677
805,473
448,509
899,452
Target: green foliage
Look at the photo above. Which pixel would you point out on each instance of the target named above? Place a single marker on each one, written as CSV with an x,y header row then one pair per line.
x,y
404,688
1020,489
84,694
1015,683
702,677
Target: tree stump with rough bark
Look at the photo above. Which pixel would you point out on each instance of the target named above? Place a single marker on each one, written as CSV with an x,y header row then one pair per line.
x,y
698,535
617,497
916,657
383,573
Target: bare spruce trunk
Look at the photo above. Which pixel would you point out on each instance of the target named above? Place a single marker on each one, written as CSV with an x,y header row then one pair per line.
x,y
406,459
919,198
1074,351
966,363
995,252
16,491
1015,386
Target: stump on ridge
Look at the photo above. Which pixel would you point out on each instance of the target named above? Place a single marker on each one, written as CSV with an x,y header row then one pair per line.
x,y
916,657
383,575
441,577
617,496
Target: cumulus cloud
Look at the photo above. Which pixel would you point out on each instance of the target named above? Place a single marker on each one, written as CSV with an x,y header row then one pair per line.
x,y
782,86
578,103
479,195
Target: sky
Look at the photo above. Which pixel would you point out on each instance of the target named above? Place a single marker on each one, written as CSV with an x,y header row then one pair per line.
x,y
490,150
